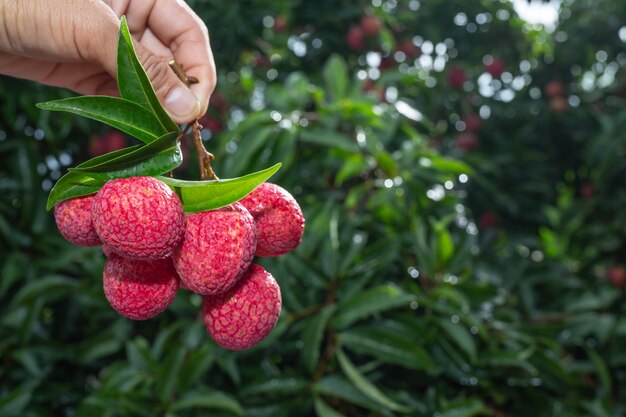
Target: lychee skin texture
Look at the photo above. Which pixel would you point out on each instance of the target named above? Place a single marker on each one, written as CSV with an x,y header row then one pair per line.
x,y
139,218
217,249
73,218
278,218
139,290
245,315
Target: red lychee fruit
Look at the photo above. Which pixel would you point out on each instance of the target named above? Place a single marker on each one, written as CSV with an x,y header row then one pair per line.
x,y
212,123
586,190
496,68
219,102
472,122
217,249
487,220
278,219
554,89
456,77
73,218
558,104
245,315
408,48
109,142
138,217
371,25
280,24
617,276
466,141
139,289
355,38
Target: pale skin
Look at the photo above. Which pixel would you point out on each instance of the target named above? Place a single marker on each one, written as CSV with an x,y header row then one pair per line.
x,y
72,44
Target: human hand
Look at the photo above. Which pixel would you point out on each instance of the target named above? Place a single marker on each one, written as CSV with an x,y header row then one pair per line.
x,y
73,44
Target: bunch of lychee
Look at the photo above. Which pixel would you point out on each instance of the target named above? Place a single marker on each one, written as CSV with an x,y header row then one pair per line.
x,y
153,248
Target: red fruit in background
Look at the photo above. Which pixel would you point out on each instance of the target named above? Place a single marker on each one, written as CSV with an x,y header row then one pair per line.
x,y
487,220
138,217
371,25
496,68
387,63
617,276
472,122
219,102
466,141
109,142
408,48
260,61
558,104
245,315
355,38
217,249
456,77
586,190
212,123
73,218
280,24
278,219
554,89
139,290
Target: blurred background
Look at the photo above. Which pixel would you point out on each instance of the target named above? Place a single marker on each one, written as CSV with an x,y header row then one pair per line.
x,y
461,166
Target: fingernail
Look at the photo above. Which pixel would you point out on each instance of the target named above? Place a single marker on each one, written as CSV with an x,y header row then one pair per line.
x,y
181,103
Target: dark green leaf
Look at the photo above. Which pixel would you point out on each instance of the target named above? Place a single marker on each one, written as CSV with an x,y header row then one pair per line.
x,y
117,112
215,400
372,301
154,158
465,408
337,387
312,337
324,410
134,84
461,336
335,74
72,184
165,145
327,137
208,195
365,386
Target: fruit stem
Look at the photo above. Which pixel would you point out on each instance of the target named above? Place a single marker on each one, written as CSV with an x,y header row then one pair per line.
x,y
204,157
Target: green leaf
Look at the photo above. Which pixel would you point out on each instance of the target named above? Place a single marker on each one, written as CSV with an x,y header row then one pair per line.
x,y
465,408
134,84
117,112
166,144
369,302
324,410
461,336
44,286
275,387
155,158
327,137
312,336
338,387
365,386
335,75
389,346
215,400
602,370
208,195
72,184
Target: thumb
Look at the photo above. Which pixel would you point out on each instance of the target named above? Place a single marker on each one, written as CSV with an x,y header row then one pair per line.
x,y
177,99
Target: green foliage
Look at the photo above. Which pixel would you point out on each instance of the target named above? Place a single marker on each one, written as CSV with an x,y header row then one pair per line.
x,y
431,280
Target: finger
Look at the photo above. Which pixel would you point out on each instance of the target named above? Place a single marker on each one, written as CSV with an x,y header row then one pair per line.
x,y
184,33
178,100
